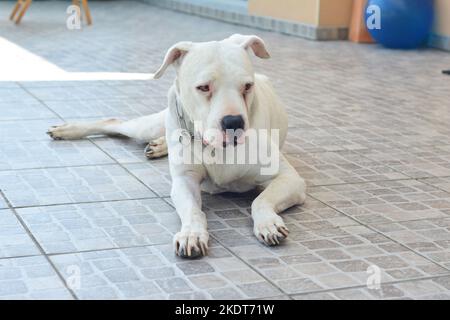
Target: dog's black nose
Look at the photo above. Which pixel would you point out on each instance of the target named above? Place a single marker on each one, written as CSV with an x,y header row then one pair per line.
x,y
232,123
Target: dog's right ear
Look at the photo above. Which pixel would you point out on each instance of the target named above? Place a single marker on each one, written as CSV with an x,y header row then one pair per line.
x,y
173,56
255,43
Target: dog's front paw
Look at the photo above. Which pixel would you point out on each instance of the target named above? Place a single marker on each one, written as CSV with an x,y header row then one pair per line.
x,y
191,243
269,228
156,149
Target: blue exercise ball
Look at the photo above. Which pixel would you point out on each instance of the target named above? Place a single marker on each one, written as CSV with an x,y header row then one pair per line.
x,y
402,24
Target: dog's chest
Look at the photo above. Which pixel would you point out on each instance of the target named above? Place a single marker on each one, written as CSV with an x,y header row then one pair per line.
x,y
233,178
223,174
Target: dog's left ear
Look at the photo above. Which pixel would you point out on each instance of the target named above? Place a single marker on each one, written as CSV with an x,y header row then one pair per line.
x,y
173,56
251,42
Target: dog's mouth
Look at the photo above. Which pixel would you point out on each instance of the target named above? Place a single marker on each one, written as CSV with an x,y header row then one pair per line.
x,y
234,143
226,139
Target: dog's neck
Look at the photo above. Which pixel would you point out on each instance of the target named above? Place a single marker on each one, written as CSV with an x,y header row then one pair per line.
x,y
184,122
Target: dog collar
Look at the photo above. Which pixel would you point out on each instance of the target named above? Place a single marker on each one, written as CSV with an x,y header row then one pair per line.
x,y
187,127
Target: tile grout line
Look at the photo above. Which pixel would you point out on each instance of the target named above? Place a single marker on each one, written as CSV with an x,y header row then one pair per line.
x,y
356,151
27,119
429,184
61,167
378,232
18,257
81,202
412,220
358,182
66,167
55,254
40,101
38,246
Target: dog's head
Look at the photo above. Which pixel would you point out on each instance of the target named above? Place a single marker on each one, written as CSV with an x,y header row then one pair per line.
x,y
215,82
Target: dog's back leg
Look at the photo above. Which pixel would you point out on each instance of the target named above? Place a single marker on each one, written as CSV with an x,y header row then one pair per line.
x,y
145,128
149,129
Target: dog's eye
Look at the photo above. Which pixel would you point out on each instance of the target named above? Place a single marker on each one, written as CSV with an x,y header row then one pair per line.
x,y
204,88
248,86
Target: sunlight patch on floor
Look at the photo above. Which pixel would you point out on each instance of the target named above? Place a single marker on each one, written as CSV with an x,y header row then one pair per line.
x,y
19,64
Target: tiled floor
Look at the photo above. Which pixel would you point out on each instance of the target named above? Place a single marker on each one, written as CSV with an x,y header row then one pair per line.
x,y
369,130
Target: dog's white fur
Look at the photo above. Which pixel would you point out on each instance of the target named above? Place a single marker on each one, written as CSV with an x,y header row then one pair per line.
x,y
226,67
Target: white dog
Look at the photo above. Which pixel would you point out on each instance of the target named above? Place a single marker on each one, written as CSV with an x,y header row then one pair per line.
x,y
215,87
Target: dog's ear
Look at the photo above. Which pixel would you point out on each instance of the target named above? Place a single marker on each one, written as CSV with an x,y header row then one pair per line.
x,y
173,56
251,42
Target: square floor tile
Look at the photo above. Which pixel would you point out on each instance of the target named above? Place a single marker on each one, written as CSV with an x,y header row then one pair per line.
x,y
155,174
156,273
441,183
15,96
415,162
14,240
325,168
26,130
23,110
312,138
123,150
94,226
30,278
71,185
386,201
429,237
45,154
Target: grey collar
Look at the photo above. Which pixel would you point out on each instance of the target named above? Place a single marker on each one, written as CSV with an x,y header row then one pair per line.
x,y
186,125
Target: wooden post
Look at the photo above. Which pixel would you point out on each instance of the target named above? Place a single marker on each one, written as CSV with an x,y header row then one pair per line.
x,y
358,30
23,10
87,12
16,8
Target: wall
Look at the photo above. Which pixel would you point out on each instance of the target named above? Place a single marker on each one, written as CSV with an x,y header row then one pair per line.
x,y
304,11
335,13
442,23
323,13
